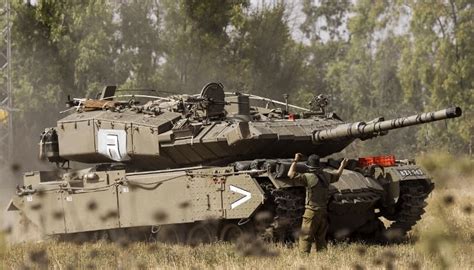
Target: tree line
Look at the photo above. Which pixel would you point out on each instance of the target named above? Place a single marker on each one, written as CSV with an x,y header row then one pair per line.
x,y
372,58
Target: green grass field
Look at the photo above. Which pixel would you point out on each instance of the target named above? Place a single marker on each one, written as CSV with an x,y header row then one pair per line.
x,y
442,239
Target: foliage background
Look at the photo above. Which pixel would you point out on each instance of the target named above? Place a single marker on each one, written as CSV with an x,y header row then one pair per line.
x,y
374,58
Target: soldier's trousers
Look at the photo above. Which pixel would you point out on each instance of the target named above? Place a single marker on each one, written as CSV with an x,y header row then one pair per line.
x,y
313,230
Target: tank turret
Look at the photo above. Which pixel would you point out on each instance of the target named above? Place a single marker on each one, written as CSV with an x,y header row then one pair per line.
x,y
213,127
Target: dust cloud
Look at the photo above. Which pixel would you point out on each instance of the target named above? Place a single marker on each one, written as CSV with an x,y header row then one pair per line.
x,y
8,181
17,228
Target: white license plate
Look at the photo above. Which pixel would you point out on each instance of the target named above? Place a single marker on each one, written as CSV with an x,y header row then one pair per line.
x,y
411,172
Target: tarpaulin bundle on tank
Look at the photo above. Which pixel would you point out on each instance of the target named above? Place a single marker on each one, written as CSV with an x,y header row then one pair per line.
x,y
277,168
257,164
282,168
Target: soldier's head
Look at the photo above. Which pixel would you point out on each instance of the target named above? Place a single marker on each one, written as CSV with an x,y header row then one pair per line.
x,y
313,162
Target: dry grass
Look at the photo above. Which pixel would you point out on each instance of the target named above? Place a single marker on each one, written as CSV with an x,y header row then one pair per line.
x,y
443,239
223,256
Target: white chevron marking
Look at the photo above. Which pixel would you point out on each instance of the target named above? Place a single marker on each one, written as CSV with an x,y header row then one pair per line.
x,y
247,196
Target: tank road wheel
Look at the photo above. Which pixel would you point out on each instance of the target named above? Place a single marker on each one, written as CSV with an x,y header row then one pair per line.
x,y
169,234
230,232
201,233
117,235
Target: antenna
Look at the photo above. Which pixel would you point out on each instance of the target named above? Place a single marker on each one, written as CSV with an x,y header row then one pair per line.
x,y
6,97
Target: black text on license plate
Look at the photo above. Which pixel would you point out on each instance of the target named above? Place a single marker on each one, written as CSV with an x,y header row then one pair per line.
x,y
411,172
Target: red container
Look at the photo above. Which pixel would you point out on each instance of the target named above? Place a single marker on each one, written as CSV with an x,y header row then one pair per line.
x,y
384,161
366,161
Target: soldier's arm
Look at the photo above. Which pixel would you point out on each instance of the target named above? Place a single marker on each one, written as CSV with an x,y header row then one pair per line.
x,y
335,176
292,171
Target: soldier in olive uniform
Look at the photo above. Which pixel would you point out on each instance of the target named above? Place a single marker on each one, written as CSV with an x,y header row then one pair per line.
x,y
316,181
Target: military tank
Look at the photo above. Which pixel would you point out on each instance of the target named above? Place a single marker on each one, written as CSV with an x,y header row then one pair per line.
x,y
187,168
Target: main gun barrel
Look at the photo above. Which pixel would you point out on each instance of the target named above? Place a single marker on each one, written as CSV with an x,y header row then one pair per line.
x,y
369,130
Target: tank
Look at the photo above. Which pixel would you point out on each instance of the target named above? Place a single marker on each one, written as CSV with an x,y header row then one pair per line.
x,y
198,168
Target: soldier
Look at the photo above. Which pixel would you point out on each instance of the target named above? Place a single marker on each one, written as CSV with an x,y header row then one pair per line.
x,y
316,181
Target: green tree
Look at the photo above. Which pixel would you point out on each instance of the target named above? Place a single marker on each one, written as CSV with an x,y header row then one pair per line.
x,y
195,39
327,43
270,60
91,41
364,80
139,44
60,49
437,70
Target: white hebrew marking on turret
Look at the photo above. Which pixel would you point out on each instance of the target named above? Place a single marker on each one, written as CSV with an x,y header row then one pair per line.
x,y
113,147
113,144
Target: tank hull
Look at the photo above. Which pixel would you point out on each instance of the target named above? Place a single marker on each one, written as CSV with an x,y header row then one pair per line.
x,y
91,200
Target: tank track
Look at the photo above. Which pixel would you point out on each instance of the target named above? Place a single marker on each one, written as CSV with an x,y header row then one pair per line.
x,y
288,211
410,206
288,207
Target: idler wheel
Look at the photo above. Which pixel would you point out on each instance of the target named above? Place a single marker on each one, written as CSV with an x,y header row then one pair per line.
x,y
230,232
201,233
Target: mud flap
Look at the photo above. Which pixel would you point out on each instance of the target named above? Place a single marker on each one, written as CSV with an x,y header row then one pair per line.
x,y
406,173
395,175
